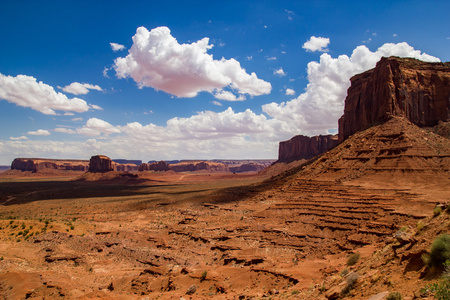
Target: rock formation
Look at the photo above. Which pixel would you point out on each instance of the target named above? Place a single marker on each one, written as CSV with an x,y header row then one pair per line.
x,y
125,167
100,164
128,161
143,167
42,164
159,166
250,167
406,87
199,166
303,147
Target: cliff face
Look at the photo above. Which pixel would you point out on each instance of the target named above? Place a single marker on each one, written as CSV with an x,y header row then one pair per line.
x,y
100,164
303,147
41,164
406,87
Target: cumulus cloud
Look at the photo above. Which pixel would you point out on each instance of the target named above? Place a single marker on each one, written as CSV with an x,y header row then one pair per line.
x,y
320,106
26,91
290,92
117,47
39,132
216,103
279,72
93,127
316,44
157,60
228,96
77,88
225,134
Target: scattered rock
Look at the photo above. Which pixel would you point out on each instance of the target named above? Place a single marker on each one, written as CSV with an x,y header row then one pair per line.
x,y
191,290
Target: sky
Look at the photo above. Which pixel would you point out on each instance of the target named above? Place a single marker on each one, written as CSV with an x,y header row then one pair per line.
x,y
165,80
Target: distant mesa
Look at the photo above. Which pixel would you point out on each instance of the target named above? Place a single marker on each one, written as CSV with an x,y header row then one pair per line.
x,y
42,164
100,164
303,147
128,161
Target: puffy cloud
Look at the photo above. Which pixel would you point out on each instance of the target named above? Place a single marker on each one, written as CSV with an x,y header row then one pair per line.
x,y
117,47
316,44
77,88
228,96
216,103
290,92
39,132
93,127
279,72
25,91
157,60
320,106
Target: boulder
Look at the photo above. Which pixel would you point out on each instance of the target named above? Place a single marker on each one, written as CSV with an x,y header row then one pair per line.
x,y
100,164
404,87
303,147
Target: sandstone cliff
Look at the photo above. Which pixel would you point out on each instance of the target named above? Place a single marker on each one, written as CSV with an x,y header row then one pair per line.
x,y
199,166
157,166
100,164
42,164
125,167
303,147
406,87
250,167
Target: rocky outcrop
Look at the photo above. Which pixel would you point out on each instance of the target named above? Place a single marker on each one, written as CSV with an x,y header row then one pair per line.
x,y
143,167
159,166
251,167
303,147
199,166
100,164
405,87
125,167
42,164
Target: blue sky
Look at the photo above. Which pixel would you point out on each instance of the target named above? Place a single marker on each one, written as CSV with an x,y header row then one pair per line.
x,y
200,80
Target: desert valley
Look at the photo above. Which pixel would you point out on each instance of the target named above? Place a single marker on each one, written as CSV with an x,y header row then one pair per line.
x,y
349,216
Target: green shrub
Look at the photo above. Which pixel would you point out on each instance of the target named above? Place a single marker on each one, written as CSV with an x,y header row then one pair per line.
x,y
394,296
353,259
440,251
437,211
203,277
344,272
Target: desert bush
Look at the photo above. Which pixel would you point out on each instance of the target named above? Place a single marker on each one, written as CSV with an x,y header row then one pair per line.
x,y
203,277
420,225
440,289
344,272
440,251
351,281
353,259
437,211
394,296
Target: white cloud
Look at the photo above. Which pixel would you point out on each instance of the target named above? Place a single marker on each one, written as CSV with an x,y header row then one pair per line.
x,y
228,96
320,106
216,103
39,132
279,72
290,92
272,58
105,72
249,57
394,35
316,44
226,134
93,127
93,106
69,114
157,60
77,88
117,47
25,91
77,119
19,138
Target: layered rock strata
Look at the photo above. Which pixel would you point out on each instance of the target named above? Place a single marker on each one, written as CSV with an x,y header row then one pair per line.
x,y
41,164
303,147
100,164
406,87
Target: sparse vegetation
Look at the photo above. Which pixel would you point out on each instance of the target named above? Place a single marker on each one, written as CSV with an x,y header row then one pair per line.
x,y
440,252
420,225
351,281
394,296
344,272
437,211
440,289
353,259
203,277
